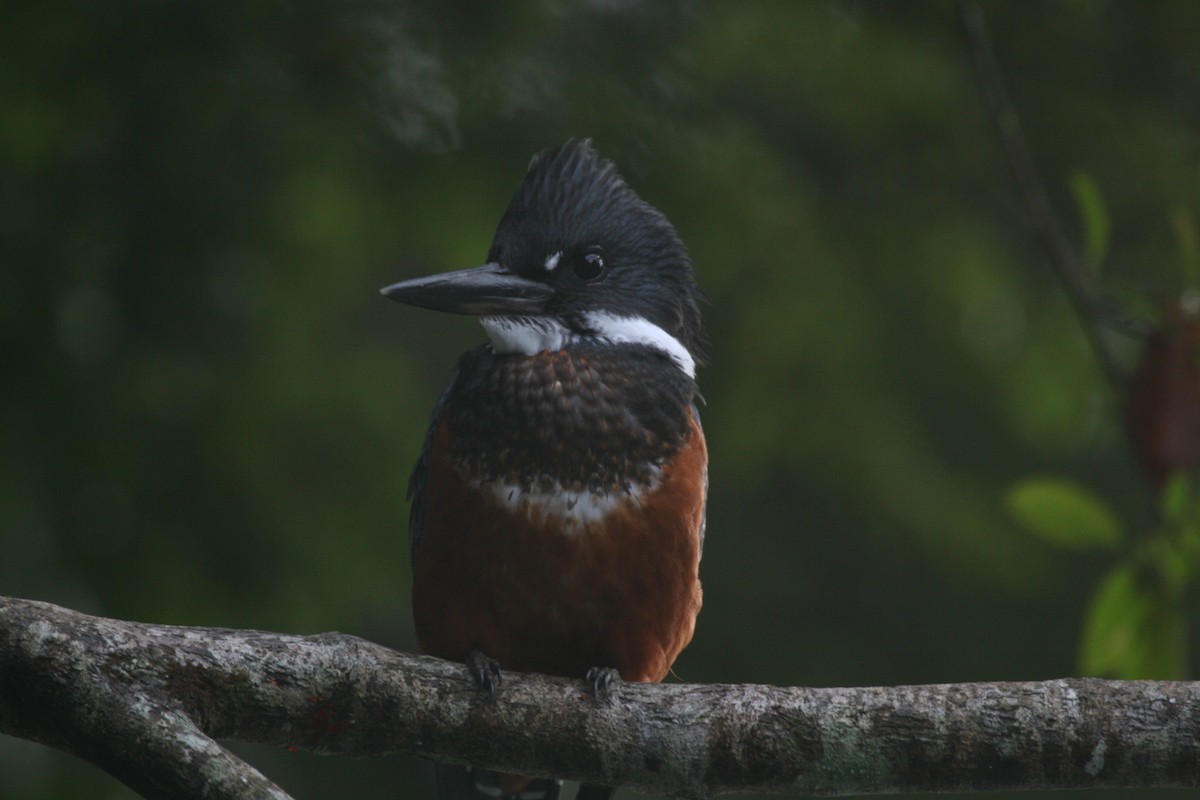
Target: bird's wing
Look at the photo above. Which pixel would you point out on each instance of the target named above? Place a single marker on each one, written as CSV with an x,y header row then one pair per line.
x,y
416,481
704,513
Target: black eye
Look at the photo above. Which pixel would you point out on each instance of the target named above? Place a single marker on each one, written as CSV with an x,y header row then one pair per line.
x,y
590,265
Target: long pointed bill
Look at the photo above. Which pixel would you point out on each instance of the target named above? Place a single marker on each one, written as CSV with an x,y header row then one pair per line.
x,y
482,291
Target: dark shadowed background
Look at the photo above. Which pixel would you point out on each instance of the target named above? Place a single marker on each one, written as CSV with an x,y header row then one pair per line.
x,y
209,414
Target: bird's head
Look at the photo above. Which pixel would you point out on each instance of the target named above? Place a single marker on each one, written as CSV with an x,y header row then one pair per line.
x,y
577,254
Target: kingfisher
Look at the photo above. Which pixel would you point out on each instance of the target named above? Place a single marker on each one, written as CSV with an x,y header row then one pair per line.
x,y
558,504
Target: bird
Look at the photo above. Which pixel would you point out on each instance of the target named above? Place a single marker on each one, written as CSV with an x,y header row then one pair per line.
x,y
558,506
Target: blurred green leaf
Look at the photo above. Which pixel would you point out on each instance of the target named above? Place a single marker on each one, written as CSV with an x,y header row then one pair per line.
x,y
1094,216
1133,629
1164,565
1184,223
1064,514
1180,504
1177,500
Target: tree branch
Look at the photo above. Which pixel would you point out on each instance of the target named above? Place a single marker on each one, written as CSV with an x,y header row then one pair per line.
x,y
145,703
1067,266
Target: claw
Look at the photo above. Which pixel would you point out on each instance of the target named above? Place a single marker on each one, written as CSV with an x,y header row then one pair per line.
x,y
601,679
484,671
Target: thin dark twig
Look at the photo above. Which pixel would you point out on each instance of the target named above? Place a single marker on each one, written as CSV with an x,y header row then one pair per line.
x,y
1065,262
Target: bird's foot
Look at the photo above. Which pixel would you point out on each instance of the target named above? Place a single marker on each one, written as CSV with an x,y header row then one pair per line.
x,y
485,671
600,679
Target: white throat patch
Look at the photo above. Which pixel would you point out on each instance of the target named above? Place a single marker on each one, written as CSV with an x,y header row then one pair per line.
x,y
639,330
529,335
525,335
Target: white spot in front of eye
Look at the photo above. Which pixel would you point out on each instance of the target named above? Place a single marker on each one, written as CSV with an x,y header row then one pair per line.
x,y
552,261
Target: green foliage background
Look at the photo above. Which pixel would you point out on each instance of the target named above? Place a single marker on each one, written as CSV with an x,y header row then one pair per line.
x,y
208,413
